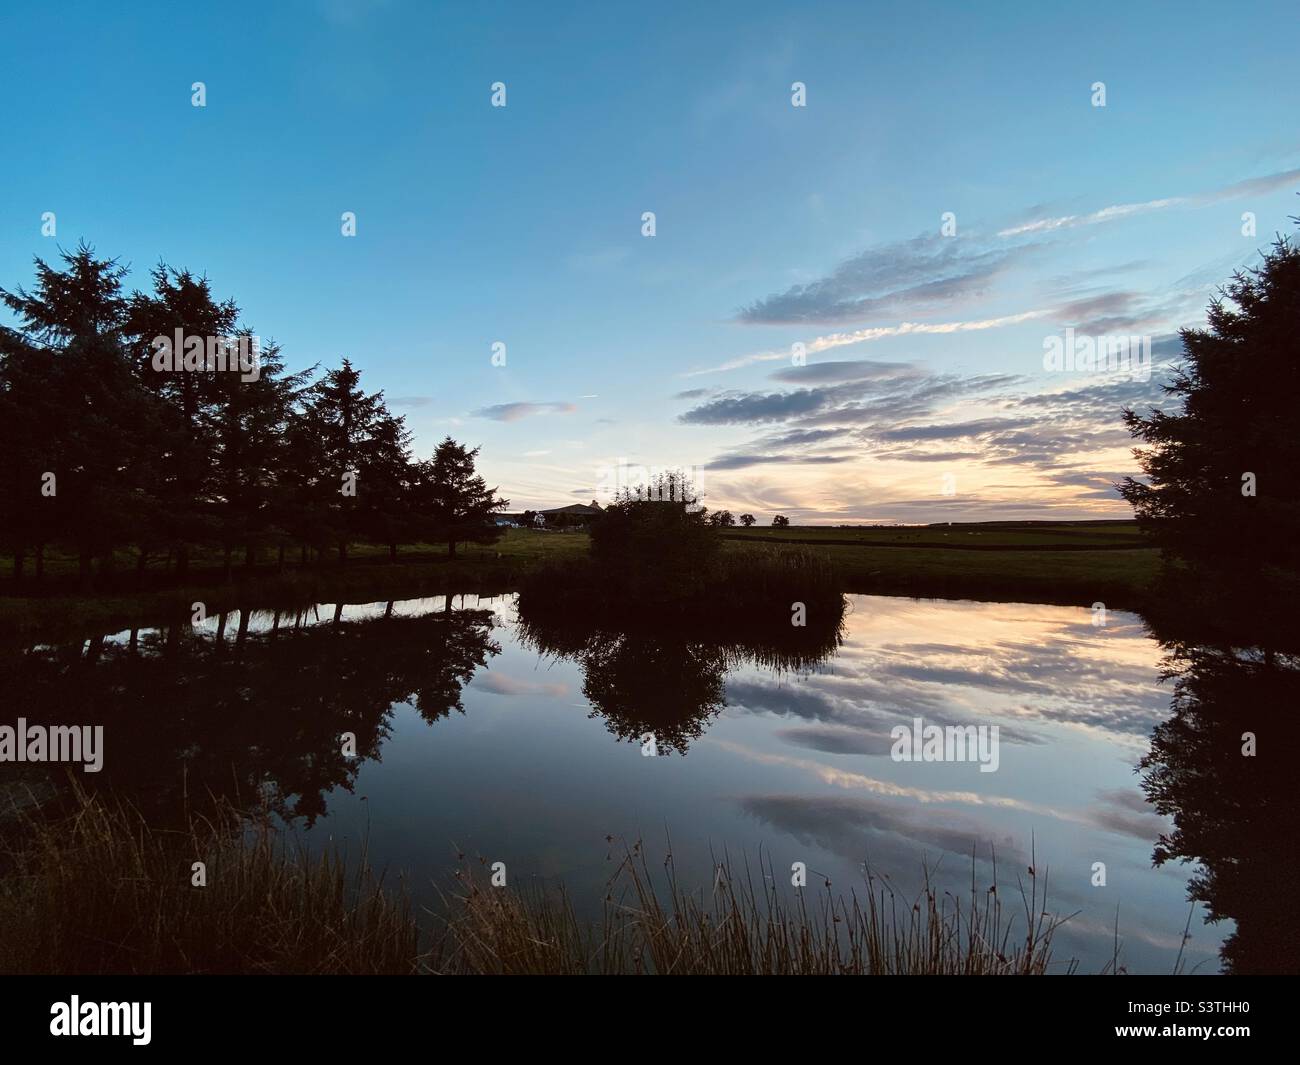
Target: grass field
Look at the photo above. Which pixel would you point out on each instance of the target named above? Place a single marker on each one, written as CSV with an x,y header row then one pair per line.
x,y
1065,562
984,535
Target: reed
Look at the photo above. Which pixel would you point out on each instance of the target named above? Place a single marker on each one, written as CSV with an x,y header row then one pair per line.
x,y
98,891
743,924
734,586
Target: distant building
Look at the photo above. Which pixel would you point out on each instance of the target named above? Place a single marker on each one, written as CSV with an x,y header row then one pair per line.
x,y
574,516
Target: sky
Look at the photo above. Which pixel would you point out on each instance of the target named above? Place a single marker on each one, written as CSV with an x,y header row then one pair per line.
x,y
843,311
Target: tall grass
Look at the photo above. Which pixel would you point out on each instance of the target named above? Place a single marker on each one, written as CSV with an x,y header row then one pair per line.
x,y
773,573
99,891
743,926
738,584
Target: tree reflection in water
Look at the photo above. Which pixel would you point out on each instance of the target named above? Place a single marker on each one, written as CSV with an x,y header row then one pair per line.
x,y
667,679
257,718
1235,814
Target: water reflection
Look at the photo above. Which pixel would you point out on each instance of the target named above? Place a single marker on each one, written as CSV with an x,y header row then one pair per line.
x,y
788,735
1235,813
194,715
665,681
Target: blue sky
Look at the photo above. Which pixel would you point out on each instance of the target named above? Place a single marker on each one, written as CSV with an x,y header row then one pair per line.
x,y
924,395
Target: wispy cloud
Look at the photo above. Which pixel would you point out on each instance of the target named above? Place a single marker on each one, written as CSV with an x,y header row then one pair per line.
x,y
858,336
740,462
891,280
513,412
1250,187
1106,214
503,684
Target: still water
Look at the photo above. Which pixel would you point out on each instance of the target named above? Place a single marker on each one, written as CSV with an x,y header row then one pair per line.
x,y
476,735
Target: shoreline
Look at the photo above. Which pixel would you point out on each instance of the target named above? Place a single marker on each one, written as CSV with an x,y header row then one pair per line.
x,y
924,568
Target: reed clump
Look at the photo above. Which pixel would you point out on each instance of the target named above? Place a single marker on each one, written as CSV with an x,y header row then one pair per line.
x,y
743,925
744,586
98,891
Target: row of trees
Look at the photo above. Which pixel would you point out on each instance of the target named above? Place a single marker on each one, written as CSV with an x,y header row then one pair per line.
x,y
532,519
726,519
101,450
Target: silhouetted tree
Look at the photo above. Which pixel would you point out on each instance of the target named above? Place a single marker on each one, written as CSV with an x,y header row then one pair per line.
x,y
386,513
354,431
454,500
1223,498
131,421
31,519
99,432
250,418
780,522
747,520
190,430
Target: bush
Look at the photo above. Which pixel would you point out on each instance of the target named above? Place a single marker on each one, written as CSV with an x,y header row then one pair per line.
x,y
655,545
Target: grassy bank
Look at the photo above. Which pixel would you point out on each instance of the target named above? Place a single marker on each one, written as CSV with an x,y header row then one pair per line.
x,y
1067,562
369,576
98,891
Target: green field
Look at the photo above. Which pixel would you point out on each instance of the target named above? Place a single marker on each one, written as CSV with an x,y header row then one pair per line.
x,y
1099,534
1065,562
1052,562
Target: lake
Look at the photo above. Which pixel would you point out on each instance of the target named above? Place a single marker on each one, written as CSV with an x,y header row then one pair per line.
x,y
476,736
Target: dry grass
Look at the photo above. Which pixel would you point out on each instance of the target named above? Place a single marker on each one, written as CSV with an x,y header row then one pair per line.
x,y
99,891
652,925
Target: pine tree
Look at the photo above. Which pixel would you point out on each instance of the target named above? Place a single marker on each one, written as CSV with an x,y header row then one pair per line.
x,y
345,418
185,484
100,434
1223,498
249,421
454,501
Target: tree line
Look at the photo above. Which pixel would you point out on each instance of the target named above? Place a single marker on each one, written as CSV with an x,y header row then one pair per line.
x,y
104,445
535,519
